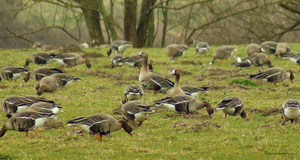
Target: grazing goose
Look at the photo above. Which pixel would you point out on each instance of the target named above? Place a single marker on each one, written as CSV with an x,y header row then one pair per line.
x,y
232,106
100,124
194,91
269,47
294,57
133,92
45,107
136,111
119,46
41,72
37,45
40,58
12,72
175,50
282,49
72,59
64,79
274,75
290,110
259,60
26,121
115,60
150,80
202,48
47,84
246,63
254,48
184,104
223,52
14,104
133,61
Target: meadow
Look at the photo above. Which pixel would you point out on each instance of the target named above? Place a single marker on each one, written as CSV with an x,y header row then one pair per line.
x,y
165,135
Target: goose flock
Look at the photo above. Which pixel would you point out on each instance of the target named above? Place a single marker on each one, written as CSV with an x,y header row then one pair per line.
x,y
27,113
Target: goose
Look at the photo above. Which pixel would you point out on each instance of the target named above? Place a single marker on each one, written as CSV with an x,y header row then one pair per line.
x,y
119,46
282,49
12,72
14,104
45,107
222,52
95,43
232,106
72,59
26,121
150,80
290,110
254,48
184,104
150,65
194,91
176,90
133,61
274,75
47,84
269,47
115,60
37,45
260,59
136,111
246,63
64,79
40,58
133,92
175,50
100,124
294,57
41,72
202,48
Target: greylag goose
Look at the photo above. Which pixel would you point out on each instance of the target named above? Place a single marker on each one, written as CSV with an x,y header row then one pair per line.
x,y
37,45
100,124
282,49
202,48
40,58
72,59
119,46
269,47
274,75
254,48
259,60
115,60
223,52
136,111
47,84
26,121
133,92
294,57
290,110
176,50
12,72
232,106
64,79
41,72
150,80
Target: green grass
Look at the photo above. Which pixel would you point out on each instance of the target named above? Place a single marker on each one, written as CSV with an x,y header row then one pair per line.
x,y
164,135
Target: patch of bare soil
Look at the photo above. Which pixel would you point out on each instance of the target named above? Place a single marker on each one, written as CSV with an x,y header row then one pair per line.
x,y
195,126
51,124
265,112
107,66
193,115
221,74
98,73
93,54
118,76
200,77
294,89
3,86
267,89
231,87
182,72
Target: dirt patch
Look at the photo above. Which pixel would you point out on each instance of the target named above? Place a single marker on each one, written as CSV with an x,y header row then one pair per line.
x,y
267,89
3,86
52,125
191,62
193,115
92,54
99,74
221,74
231,87
162,63
75,132
200,77
195,126
118,76
294,89
264,112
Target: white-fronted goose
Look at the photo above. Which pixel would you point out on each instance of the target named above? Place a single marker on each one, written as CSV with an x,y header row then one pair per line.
x,y
246,63
115,60
40,58
119,46
72,59
12,72
259,60
136,111
232,106
223,52
176,50
202,48
274,75
150,80
290,110
194,91
47,84
282,49
269,47
133,61
133,92
294,57
254,48
37,45
176,90
184,104
100,124
25,121
64,79
45,107
41,72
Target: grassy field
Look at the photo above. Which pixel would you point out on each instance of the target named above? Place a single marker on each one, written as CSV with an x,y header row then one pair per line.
x,y
165,135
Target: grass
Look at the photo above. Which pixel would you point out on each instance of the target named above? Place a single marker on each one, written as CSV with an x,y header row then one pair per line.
x,y
165,135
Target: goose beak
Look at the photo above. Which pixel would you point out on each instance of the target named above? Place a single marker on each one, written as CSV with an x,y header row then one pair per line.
x,y
130,134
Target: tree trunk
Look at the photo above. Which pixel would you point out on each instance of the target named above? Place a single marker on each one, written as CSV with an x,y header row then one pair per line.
x,y
165,24
130,7
151,30
108,19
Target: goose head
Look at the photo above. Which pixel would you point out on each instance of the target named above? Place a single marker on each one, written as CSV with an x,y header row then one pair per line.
x,y
27,77
127,128
36,45
291,75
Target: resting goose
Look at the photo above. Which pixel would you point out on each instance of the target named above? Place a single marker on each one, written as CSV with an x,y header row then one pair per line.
x,y
100,124
40,58
12,72
119,46
45,107
37,45
254,48
222,52
64,79
72,59
133,61
41,72
202,48
136,111
290,110
115,60
26,121
150,80
232,106
259,60
274,75
47,84
282,49
175,50
294,58
269,47
133,92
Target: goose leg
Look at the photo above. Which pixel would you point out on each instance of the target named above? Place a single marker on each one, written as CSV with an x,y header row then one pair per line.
x,y
283,121
10,80
225,116
275,84
36,135
96,136
26,135
101,137
296,120
154,92
220,62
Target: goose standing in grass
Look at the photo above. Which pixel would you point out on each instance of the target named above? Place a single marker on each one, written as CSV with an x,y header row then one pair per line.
x,y
40,58
45,107
202,48
133,61
259,60
41,72
184,104
100,124
26,121
37,45
64,79
136,111
47,84
115,60
222,52
133,92
72,59
254,48
12,72
246,63
294,57
176,50
119,46
150,80
274,75
232,106
290,110
269,47
282,49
